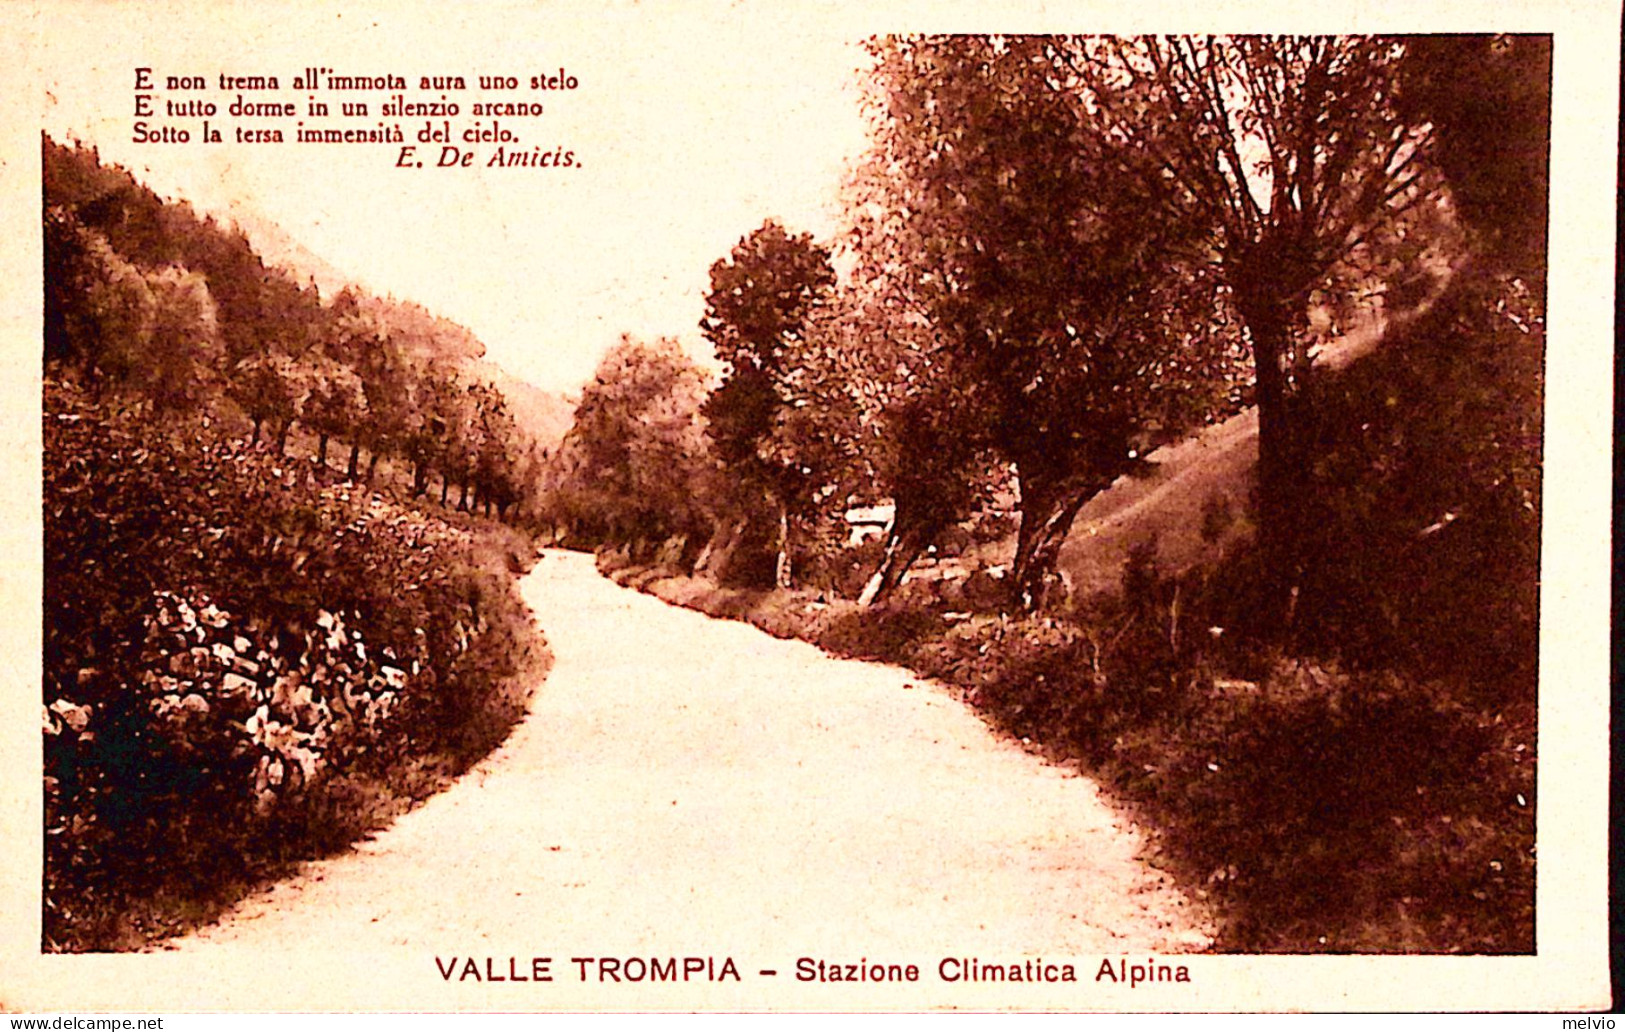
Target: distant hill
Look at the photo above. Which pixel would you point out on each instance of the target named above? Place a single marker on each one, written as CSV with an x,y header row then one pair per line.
x,y
424,334
430,336
545,415
276,247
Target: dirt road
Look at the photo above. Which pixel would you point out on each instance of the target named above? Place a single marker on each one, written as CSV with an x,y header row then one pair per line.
x,y
689,786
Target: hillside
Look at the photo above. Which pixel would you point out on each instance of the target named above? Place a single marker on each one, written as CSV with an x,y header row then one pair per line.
x,y
278,247
1191,507
1193,502
545,415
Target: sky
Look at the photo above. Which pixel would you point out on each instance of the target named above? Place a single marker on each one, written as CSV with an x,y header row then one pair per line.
x,y
689,132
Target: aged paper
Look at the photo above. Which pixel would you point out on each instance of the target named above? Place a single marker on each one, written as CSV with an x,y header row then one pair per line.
x,y
673,114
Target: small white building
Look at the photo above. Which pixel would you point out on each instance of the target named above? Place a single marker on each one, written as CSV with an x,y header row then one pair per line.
x,y
868,521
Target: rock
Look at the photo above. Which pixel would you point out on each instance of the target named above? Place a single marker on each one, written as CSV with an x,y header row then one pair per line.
x,y
236,686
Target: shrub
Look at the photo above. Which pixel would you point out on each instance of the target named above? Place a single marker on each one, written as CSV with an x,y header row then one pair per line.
x,y
222,638
889,631
1419,531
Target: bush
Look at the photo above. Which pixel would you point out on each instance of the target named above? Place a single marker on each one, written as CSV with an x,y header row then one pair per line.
x,y
1325,810
223,639
1419,531
890,631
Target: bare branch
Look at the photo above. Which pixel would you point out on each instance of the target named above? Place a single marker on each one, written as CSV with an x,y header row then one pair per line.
x,y
1219,190
1236,185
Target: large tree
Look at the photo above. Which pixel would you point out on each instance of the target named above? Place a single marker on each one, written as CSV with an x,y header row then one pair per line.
x,y
1299,154
1054,292
269,389
387,382
635,464
923,445
1489,99
757,314
499,450
336,406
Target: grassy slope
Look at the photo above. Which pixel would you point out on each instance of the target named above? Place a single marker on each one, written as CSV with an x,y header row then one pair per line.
x,y
1212,470
1209,472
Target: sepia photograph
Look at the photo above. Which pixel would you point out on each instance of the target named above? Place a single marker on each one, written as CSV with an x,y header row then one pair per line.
x,y
564,507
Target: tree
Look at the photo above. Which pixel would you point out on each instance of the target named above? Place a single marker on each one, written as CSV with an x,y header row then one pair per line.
x,y
756,317
931,467
1295,150
460,446
820,439
637,467
184,355
268,389
434,425
1057,299
336,406
914,441
1488,99
386,380
106,318
70,272
498,451
352,338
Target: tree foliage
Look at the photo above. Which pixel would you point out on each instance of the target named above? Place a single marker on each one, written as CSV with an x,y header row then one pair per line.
x,y
1058,305
636,466
1488,99
757,316
1296,153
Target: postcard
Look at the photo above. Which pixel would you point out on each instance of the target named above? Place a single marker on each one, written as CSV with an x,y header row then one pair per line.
x,y
671,507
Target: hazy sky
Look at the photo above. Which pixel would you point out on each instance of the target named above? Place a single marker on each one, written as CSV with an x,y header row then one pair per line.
x,y
689,131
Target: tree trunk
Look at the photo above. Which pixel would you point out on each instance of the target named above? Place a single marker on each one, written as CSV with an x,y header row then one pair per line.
x,y
903,546
718,552
255,440
1268,326
1049,504
695,547
372,466
355,461
462,497
445,488
781,564
282,438
420,477
702,562
321,451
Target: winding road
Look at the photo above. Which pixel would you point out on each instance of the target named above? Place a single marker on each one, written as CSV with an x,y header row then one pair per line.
x,y
685,786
